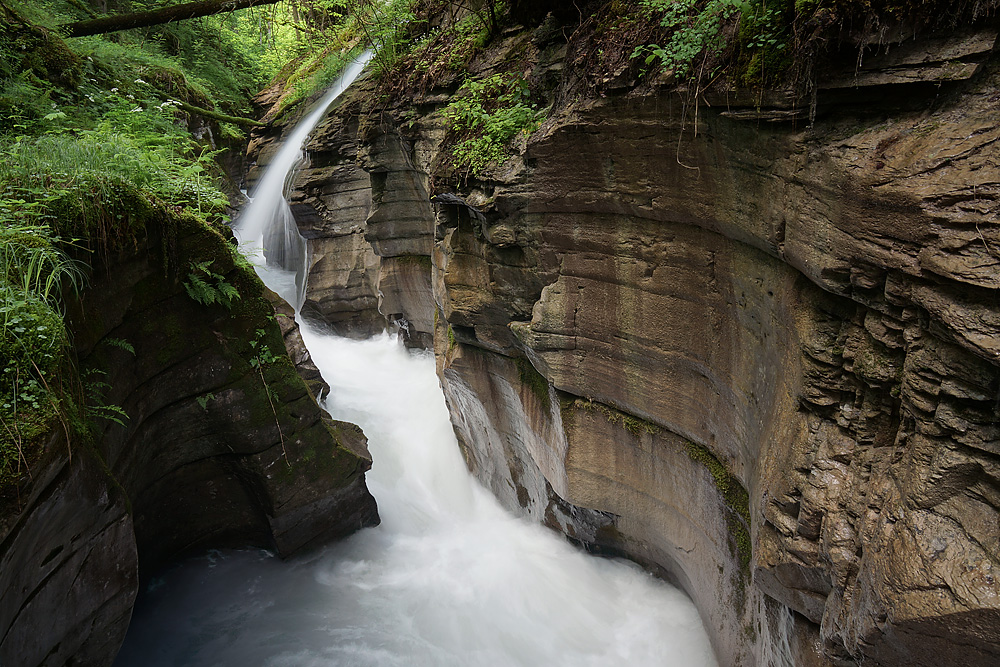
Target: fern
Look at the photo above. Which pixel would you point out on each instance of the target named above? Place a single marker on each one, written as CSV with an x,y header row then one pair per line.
x,y
207,287
94,390
121,344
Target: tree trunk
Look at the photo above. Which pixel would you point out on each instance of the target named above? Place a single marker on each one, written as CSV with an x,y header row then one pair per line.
x,y
187,10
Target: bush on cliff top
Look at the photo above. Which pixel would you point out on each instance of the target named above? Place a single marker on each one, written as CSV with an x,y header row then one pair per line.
x,y
487,115
93,192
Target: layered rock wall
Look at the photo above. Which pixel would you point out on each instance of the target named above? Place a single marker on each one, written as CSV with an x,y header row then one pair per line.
x,y
222,445
759,357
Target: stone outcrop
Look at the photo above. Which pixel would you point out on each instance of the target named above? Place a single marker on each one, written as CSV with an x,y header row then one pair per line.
x,y
363,204
223,445
755,351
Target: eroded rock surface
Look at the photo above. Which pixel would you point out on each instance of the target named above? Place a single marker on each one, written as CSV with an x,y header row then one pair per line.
x,y
223,445
760,358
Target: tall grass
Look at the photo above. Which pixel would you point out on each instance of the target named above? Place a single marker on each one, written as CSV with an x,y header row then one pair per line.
x,y
34,275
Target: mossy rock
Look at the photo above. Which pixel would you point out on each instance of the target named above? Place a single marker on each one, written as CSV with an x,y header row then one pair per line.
x,y
736,500
32,48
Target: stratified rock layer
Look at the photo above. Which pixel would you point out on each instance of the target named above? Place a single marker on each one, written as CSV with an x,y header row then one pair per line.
x,y
760,358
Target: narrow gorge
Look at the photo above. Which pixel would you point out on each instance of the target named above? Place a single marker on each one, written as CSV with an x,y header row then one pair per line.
x,y
738,325
752,349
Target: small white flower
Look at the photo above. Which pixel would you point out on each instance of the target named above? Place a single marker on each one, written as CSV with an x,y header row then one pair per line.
x,y
114,90
139,81
136,109
130,96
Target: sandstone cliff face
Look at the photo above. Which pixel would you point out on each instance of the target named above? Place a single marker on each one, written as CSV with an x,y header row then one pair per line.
x,y
761,358
217,451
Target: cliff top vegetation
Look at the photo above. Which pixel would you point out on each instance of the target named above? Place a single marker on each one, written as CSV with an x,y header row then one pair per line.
x,y
104,129
100,135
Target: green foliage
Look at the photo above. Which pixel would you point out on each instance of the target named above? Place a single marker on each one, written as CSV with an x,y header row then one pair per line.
x,y
387,27
352,25
95,155
630,423
31,263
696,30
316,74
263,354
95,388
99,184
207,287
202,401
34,272
487,115
121,344
442,40
698,34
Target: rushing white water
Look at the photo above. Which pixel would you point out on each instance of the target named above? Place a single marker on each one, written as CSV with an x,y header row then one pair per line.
x,y
448,579
266,226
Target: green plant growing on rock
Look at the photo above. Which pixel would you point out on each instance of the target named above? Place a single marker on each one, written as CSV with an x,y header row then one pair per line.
x,y
486,115
202,401
34,272
736,499
207,287
263,356
632,424
95,387
698,32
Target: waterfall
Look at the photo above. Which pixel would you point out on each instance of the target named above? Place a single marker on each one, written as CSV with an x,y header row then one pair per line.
x,y
266,226
448,578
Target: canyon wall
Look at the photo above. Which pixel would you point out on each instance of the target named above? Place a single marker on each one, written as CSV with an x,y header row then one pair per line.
x,y
218,442
754,349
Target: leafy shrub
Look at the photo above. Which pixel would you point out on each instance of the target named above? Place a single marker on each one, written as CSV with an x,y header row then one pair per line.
x,y
697,32
487,115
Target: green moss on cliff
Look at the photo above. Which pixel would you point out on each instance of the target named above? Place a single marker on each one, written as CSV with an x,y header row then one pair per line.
x,y
532,379
736,499
632,424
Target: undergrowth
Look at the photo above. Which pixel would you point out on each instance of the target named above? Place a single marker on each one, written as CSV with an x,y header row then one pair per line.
x,y
96,153
486,115
34,272
443,39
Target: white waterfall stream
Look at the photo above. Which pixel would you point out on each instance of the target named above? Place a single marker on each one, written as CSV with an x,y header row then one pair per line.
x,y
448,578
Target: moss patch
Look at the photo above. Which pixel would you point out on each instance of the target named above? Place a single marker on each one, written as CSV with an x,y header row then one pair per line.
x,y
423,261
532,379
736,499
632,424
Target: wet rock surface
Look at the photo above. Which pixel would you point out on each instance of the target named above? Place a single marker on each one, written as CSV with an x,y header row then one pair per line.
x,y
759,358
223,445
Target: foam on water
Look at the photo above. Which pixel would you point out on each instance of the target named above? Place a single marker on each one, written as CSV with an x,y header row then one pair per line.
x,y
449,578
